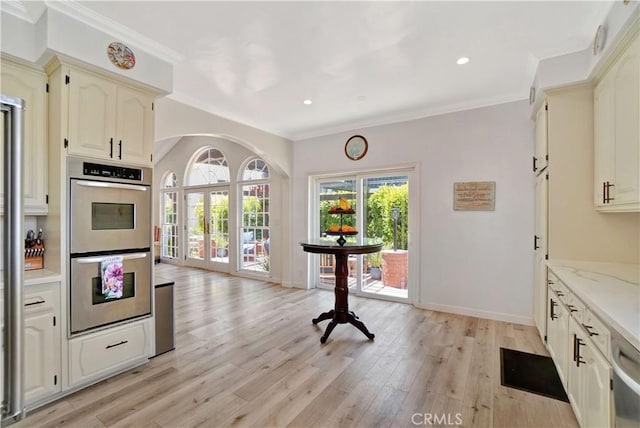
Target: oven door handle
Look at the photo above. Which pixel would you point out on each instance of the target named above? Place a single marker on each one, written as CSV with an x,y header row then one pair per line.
x,y
112,185
89,260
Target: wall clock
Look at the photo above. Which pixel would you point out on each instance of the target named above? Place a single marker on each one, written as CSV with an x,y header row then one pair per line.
x,y
356,147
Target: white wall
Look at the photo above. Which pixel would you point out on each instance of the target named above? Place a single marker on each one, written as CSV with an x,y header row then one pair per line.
x,y
474,263
175,119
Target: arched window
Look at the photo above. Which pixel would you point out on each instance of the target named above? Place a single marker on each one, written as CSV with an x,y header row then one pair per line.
x,y
169,216
208,167
170,181
254,231
256,169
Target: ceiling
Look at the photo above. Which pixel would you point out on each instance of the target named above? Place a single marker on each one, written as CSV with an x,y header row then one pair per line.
x,y
361,63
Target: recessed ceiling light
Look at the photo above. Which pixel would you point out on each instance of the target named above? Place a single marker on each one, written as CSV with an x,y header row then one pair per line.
x,y
462,60
307,102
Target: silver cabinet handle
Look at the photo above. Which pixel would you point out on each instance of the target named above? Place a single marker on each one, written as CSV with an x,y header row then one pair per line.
x,y
99,259
105,184
123,342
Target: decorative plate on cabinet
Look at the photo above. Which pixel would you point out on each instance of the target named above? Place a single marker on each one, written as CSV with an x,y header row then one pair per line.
x,y
121,56
598,40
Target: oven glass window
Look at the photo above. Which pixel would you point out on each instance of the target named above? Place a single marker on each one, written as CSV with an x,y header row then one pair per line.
x,y
128,289
106,216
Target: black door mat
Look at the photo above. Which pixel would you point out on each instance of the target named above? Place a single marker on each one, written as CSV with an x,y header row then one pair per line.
x,y
532,373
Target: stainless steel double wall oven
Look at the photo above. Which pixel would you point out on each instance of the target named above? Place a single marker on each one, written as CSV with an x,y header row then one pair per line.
x,y
109,222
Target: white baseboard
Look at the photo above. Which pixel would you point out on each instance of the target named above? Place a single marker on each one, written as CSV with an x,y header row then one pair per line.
x,y
478,313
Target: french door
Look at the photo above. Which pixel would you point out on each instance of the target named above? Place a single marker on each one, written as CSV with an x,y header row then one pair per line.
x,y
207,228
381,201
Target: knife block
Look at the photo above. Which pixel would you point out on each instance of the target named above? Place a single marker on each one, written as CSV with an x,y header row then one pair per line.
x,y
34,257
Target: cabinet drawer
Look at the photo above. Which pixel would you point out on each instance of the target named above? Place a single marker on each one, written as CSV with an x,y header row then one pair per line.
x,y
575,306
599,334
40,298
107,351
563,292
555,285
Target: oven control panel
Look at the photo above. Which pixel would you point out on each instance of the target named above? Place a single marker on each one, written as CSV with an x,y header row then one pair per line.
x,y
111,171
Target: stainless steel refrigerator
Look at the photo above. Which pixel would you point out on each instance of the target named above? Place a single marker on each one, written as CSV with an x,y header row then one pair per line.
x,y
11,280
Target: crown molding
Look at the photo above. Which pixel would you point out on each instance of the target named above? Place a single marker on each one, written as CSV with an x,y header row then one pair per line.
x,y
114,28
390,118
19,9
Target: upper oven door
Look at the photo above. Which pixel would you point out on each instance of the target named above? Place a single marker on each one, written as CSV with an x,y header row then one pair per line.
x,y
109,216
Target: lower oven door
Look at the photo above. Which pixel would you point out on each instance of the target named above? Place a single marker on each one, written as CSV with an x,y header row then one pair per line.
x,y
94,305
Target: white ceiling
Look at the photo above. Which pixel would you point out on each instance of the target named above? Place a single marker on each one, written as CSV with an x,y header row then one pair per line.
x,y
362,63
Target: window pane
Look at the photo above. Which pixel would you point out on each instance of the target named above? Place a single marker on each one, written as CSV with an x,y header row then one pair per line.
x,y
170,225
210,167
256,170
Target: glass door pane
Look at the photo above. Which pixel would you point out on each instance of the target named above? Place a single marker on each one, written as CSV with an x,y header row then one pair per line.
x,y
386,216
195,227
219,225
254,248
170,225
330,192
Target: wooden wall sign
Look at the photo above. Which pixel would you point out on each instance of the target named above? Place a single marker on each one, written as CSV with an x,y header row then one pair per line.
x,y
474,196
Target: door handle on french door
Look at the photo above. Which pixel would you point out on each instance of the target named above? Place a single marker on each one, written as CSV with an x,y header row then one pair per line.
x,y
99,259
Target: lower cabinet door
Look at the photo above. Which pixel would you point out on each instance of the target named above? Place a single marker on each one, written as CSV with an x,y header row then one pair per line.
x,y
576,369
597,389
41,361
98,354
557,333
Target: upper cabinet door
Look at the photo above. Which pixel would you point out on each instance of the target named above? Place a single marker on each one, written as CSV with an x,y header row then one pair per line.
x,y
541,149
134,126
603,138
30,85
92,115
617,134
627,127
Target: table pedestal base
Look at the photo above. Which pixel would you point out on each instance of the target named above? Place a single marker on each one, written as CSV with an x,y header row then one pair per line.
x,y
350,318
341,314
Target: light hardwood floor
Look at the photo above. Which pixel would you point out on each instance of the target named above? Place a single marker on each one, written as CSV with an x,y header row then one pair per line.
x,y
247,354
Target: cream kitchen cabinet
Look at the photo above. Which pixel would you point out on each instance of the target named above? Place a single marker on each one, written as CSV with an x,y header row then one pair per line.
x,y
541,155
557,333
41,342
108,120
105,352
617,134
583,366
26,82
540,249
588,380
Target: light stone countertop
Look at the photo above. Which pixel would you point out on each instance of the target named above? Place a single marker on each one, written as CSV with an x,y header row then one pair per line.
x,y
610,290
40,276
